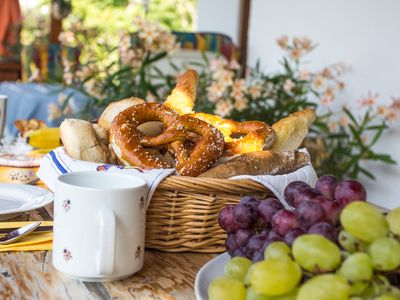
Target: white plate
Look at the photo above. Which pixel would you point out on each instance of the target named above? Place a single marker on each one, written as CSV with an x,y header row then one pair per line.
x,y
18,198
214,268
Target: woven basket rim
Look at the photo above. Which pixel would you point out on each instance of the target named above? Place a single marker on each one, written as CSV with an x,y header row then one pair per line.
x,y
204,184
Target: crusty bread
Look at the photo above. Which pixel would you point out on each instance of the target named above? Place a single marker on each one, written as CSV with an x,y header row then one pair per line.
x,y
81,142
259,163
291,131
114,108
183,96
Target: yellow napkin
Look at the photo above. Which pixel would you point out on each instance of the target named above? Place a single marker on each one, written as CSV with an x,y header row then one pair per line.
x,y
33,242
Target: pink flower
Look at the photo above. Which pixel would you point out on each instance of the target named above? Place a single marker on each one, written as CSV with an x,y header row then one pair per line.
x,y
369,100
297,43
304,75
234,65
239,85
223,108
255,91
288,85
332,126
306,43
340,85
215,91
382,110
326,73
391,115
326,99
217,64
318,81
283,41
296,53
344,121
241,104
224,77
395,103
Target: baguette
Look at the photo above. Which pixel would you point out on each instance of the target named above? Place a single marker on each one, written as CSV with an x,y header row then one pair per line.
x,y
259,163
291,131
183,96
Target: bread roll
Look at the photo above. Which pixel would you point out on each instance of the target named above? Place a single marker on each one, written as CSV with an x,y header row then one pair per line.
x,y
114,108
81,142
291,131
259,163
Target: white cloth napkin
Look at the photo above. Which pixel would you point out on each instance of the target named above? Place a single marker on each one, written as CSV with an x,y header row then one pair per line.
x,y
57,162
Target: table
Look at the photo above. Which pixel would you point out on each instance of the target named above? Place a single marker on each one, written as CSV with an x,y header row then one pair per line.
x,y
30,275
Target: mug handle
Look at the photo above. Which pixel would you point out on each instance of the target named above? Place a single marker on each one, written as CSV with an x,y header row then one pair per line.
x,y
106,254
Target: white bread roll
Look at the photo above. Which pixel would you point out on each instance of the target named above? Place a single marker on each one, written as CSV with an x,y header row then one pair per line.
x,y
114,108
81,142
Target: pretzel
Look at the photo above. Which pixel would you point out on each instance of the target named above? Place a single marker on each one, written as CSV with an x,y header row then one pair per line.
x,y
253,135
206,151
126,140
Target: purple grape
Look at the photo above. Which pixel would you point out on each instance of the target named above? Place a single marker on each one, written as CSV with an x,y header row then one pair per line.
x,y
242,235
226,219
255,243
324,229
307,194
310,213
292,235
267,208
332,211
284,220
241,251
292,189
273,234
243,216
348,191
250,201
326,184
264,233
258,256
230,244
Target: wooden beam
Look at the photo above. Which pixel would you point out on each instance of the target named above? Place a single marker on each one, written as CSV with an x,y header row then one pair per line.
x,y
244,17
55,28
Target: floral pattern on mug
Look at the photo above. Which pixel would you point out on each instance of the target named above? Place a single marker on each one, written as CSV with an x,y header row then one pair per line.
x,y
138,252
67,254
141,203
66,205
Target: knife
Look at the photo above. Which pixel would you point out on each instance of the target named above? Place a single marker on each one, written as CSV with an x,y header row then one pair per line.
x,y
39,229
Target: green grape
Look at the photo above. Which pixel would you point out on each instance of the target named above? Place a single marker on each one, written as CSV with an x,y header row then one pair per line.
x,y
223,288
275,276
237,268
357,288
252,295
356,298
324,287
277,250
393,218
387,297
363,221
385,254
248,275
357,267
350,243
315,253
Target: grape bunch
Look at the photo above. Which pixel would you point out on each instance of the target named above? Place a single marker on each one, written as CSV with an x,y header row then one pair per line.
x,y
254,224
365,265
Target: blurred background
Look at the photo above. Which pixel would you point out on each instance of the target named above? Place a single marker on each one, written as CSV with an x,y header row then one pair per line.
x,y
257,59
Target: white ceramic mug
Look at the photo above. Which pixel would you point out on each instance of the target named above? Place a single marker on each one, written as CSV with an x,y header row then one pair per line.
x,y
3,113
99,225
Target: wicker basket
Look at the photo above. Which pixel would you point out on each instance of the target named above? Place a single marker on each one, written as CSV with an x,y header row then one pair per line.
x,y
183,212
